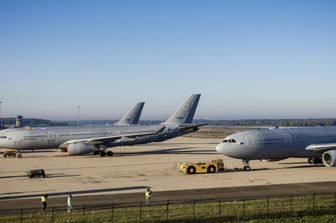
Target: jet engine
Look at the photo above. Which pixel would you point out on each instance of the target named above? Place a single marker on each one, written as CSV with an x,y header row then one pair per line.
x,y
329,158
80,148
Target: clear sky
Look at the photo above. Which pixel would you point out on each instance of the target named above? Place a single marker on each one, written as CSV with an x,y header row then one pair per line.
x,y
249,59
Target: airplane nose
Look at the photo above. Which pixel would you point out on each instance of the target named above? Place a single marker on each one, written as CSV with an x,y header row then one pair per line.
x,y
219,148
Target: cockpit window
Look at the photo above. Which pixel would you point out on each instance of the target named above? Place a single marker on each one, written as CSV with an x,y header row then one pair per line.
x,y
3,137
229,141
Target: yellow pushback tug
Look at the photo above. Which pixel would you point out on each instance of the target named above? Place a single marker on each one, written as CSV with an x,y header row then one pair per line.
x,y
214,166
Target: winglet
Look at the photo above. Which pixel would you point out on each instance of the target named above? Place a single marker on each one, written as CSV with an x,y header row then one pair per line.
x,y
132,116
186,112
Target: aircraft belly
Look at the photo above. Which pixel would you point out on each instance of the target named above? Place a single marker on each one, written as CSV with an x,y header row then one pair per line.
x,y
274,151
304,154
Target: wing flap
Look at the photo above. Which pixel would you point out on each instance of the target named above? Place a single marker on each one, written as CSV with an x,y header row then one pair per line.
x,y
190,126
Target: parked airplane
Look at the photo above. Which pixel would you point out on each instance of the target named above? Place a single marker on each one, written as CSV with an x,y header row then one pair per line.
x,y
314,143
130,118
82,140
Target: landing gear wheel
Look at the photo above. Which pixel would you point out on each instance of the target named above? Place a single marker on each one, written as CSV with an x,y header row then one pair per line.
x,y
191,170
109,153
96,152
246,165
19,156
246,168
310,160
102,153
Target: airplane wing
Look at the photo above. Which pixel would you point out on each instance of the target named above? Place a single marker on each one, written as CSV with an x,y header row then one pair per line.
x,y
321,147
184,127
99,140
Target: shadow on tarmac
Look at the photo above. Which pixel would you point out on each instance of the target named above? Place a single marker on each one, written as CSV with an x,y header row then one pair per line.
x,y
53,175
13,176
303,162
56,175
306,166
79,192
176,151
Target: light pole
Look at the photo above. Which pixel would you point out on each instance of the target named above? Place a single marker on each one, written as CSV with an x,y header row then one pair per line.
x,y
78,107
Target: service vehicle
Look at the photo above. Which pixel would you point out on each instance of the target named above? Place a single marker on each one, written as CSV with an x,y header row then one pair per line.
x,y
11,153
36,173
214,166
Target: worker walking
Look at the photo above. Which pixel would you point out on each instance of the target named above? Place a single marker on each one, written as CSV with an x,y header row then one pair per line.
x,y
69,202
44,199
148,195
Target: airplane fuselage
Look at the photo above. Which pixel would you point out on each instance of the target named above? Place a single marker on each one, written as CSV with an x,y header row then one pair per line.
x,y
276,143
55,137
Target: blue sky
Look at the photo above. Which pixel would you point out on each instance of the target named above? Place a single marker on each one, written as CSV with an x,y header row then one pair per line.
x,y
249,59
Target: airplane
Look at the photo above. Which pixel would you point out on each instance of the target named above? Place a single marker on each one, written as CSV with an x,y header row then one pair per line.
x,y
130,118
79,140
318,144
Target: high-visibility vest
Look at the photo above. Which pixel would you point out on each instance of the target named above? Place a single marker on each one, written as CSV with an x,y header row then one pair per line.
x,y
69,201
43,199
148,194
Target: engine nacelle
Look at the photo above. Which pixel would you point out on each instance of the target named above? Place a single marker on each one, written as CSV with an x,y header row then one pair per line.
x,y
329,158
79,149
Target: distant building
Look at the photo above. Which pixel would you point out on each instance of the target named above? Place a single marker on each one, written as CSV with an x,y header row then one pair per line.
x,y
19,121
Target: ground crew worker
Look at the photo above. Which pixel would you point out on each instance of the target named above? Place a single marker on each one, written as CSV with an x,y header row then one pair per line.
x,y
69,202
44,199
148,194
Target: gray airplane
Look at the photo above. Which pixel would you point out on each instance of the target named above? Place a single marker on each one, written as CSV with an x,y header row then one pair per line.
x,y
315,143
130,118
83,140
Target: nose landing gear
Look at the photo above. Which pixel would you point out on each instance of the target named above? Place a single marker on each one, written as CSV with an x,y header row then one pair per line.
x,y
246,165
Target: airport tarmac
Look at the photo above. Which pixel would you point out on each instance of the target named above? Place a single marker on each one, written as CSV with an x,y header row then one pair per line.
x,y
135,168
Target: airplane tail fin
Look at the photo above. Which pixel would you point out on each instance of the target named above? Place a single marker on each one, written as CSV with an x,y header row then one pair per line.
x,y
132,116
186,112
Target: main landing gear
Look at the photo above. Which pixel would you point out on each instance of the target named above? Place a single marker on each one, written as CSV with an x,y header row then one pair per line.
x,y
246,165
315,160
102,151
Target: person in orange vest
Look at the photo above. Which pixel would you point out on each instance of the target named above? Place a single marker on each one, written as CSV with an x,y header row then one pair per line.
x,y
44,199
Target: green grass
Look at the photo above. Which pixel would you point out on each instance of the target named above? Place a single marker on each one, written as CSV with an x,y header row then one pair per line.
x,y
295,209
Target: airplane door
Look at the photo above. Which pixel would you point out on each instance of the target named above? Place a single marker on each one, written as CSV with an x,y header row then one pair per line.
x,y
249,140
288,139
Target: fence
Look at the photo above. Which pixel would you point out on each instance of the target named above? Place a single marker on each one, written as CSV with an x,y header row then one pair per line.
x,y
186,211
